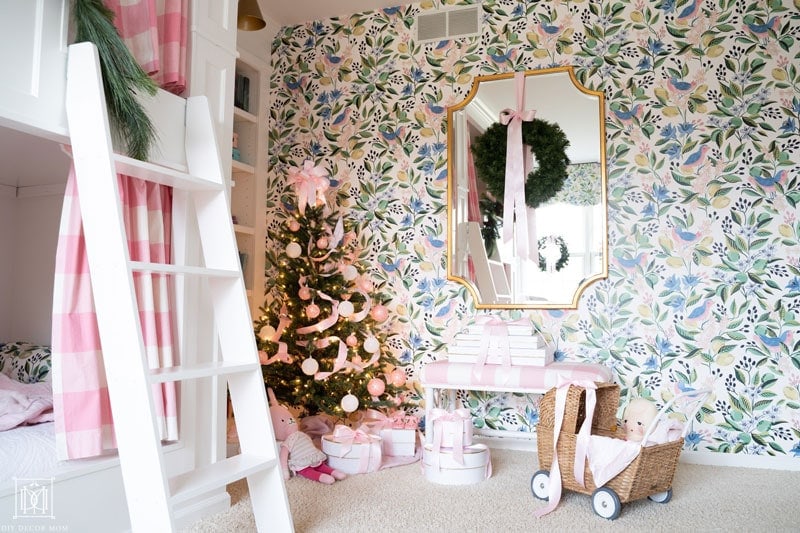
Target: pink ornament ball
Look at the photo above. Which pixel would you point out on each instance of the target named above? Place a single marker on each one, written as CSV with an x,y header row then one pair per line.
x,y
352,340
397,377
294,225
322,243
376,386
379,313
312,310
304,293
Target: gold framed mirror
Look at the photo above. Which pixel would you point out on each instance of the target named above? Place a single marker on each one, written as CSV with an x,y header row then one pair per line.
x,y
568,230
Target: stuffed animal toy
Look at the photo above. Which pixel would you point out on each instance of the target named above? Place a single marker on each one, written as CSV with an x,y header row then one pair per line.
x,y
298,453
637,417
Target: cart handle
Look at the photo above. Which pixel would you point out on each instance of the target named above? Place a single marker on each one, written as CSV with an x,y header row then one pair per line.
x,y
699,398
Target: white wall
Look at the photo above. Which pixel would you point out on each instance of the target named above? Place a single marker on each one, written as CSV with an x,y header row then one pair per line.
x,y
28,239
7,194
36,220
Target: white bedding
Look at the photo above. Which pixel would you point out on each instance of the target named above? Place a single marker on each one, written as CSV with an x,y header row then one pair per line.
x,y
27,452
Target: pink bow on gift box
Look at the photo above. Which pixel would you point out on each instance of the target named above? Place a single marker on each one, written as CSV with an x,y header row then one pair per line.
x,y
459,416
376,421
581,443
346,437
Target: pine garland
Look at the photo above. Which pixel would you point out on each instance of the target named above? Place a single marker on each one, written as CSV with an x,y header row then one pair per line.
x,y
122,77
548,143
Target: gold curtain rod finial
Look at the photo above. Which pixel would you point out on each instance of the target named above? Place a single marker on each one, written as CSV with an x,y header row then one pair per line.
x,y
249,17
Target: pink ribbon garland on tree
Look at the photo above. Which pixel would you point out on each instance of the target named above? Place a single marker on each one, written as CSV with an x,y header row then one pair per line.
x,y
310,183
282,354
581,443
515,216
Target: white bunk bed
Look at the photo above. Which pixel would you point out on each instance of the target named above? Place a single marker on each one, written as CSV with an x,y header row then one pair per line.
x,y
87,495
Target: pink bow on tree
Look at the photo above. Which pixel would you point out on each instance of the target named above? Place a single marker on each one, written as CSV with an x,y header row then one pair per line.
x,y
310,183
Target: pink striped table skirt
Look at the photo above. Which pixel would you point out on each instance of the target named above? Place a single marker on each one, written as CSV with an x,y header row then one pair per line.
x,y
525,379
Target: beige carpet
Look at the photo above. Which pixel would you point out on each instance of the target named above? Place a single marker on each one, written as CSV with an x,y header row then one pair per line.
x,y
705,498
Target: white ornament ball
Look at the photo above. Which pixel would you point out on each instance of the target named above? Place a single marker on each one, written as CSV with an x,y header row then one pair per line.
x,y
371,344
346,309
293,250
309,366
350,272
349,403
266,333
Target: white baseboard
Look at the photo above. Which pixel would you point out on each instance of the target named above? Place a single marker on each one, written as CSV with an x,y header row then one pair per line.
x,y
202,507
526,442
740,460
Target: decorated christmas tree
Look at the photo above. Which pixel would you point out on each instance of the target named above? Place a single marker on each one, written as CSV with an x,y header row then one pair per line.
x,y
322,330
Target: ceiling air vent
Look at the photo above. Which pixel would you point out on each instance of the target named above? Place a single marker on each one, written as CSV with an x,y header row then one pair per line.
x,y
462,21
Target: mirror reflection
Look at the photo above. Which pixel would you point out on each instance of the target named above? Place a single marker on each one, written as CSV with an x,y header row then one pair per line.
x,y
563,226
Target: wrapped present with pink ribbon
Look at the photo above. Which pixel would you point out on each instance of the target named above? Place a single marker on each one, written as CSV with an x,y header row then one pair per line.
x,y
473,465
398,431
452,429
353,451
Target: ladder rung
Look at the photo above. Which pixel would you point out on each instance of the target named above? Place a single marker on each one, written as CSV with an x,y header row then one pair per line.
x,y
219,474
201,370
164,268
164,175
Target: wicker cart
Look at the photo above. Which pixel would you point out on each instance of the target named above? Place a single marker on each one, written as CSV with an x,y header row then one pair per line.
x,y
651,473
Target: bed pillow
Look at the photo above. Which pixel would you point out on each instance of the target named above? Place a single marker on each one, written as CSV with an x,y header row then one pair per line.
x,y
25,362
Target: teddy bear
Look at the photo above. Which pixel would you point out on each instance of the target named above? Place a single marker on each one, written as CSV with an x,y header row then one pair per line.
x,y
298,453
637,417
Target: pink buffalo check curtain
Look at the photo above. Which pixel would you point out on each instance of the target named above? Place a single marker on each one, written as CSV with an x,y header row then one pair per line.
x,y
84,425
155,31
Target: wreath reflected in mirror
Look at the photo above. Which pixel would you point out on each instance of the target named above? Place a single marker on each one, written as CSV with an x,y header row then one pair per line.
x,y
547,141
553,253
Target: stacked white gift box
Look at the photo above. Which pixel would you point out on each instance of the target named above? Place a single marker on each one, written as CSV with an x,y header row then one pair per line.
x,y
452,458
353,451
492,341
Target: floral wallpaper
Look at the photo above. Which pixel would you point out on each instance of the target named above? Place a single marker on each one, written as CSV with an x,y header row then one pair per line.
x,y
703,133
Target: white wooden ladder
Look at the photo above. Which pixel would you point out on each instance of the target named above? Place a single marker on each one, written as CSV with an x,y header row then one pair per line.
x,y
152,496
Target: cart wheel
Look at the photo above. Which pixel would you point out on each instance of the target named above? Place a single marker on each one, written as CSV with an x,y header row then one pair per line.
x,y
661,497
540,484
605,503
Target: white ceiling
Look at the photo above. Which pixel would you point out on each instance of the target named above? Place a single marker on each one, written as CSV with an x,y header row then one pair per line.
x,y
290,12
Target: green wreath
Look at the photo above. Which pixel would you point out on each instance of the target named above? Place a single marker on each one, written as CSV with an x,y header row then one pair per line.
x,y
562,247
548,143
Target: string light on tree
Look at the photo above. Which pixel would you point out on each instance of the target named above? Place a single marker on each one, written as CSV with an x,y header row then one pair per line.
x,y
324,324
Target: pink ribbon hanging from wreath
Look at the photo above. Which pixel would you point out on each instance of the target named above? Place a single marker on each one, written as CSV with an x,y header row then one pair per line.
x,y
515,216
